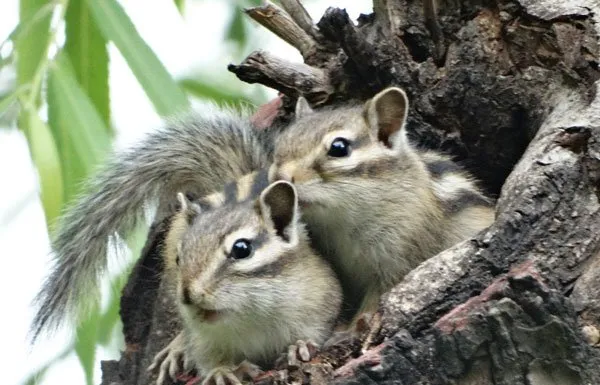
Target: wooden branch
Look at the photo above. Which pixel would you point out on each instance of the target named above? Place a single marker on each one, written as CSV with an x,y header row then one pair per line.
x,y
297,11
391,17
292,79
432,23
336,26
281,24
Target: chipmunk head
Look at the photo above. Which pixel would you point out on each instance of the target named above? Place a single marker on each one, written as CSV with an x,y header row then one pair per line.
x,y
329,146
230,259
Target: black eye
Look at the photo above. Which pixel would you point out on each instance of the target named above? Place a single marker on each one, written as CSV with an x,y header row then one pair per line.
x,y
340,147
177,260
242,248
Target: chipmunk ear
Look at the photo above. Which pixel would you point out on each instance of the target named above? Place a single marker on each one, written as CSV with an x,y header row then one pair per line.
x,y
187,207
184,203
279,208
302,108
386,113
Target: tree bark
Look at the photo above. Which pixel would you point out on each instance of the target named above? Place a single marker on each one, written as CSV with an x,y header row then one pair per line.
x,y
510,89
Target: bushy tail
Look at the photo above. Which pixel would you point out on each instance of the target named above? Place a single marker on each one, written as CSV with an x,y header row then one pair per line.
x,y
198,153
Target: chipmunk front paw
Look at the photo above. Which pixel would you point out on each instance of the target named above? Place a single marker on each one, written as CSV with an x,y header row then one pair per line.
x,y
227,375
172,360
301,351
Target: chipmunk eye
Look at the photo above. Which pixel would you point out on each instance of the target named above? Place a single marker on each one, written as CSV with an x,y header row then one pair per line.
x,y
177,260
242,248
340,147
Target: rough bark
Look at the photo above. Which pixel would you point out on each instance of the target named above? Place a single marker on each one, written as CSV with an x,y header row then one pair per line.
x,y
507,87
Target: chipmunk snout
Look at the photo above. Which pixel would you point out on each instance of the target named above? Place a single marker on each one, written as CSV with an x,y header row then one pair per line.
x,y
279,172
295,172
191,297
284,176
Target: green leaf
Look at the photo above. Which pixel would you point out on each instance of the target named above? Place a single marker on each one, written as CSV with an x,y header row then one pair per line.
x,y
33,38
7,102
88,54
214,92
109,319
85,343
79,131
29,17
180,4
237,27
47,161
160,87
37,376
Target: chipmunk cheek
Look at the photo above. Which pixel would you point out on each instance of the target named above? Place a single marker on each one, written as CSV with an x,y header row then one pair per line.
x,y
295,172
306,175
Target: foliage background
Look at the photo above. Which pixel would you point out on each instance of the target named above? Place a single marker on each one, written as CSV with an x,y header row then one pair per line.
x,y
77,78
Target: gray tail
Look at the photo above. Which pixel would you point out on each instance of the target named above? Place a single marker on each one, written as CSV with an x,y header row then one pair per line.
x,y
196,154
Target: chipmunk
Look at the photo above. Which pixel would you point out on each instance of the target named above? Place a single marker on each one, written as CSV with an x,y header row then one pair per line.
x,y
197,153
247,283
375,205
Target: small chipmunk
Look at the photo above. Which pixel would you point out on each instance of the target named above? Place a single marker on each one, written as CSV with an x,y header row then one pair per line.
x,y
197,153
247,283
375,205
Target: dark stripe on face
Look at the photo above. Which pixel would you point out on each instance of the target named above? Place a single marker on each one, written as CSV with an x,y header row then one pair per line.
x,y
261,181
260,240
272,269
230,192
204,205
257,242
370,169
363,139
465,199
437,168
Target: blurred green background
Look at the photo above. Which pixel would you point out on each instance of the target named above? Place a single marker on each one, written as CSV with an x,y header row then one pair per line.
x,y
78,78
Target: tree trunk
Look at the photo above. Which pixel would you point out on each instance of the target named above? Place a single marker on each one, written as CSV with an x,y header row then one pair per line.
x,y
510,89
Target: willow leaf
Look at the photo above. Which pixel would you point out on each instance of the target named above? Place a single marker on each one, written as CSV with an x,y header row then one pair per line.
x,y
88,53
161,89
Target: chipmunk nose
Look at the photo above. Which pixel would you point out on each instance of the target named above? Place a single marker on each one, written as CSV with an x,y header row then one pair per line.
x,y
186,296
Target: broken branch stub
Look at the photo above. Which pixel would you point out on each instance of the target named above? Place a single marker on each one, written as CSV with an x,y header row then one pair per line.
x,y
292,79
281,24
299,14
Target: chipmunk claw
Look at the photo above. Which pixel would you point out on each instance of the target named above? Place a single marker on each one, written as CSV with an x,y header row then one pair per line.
x,y
301,351
221,376
226,375
170,360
